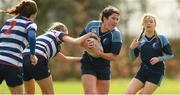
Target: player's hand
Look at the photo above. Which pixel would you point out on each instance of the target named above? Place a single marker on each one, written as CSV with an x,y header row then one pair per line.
x,y
88,44
154,60
94,35
135,43
96,49
34,59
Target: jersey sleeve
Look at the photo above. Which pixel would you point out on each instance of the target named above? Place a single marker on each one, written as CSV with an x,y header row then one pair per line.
x,y
59,35
94,24
83,33
166,47
32,40
86,29
32,26
116,42
31,31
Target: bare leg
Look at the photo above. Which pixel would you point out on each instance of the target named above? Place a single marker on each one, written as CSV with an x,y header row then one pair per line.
x,y
46,85
16,90
149,88
103,87
29,86
89,84
134,86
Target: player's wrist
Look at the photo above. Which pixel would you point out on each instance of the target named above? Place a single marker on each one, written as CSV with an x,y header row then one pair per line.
x,y
99,53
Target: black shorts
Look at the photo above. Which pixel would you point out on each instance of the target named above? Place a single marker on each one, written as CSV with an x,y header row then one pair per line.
x,y
38,72
11,74
147,74
100,72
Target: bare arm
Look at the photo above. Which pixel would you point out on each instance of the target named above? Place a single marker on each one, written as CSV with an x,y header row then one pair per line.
x,y
77,41
131,54
134,44
67,59
107,56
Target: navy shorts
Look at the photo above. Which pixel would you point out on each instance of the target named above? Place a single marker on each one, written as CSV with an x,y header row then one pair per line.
x,y
147,74
101,72
38,72
11,74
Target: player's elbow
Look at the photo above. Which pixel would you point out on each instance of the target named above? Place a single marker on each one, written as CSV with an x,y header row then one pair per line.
x,y
76,42
113,59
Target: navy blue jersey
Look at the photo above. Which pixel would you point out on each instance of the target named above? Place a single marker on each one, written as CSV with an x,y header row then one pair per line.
x,y
111,42
149,48
14,39
48,44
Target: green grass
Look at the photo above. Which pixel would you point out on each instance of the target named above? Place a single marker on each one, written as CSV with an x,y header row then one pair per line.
x,y
118,86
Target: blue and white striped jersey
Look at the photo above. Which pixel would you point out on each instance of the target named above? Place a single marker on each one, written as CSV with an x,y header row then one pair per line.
x,y
47,44
14,39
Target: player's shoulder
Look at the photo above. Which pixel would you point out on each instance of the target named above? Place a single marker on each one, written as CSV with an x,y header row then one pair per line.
x,y
94,23
161,36
116,31
164,40
116,35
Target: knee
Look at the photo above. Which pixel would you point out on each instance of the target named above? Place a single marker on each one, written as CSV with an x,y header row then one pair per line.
x,y
130,91
89,91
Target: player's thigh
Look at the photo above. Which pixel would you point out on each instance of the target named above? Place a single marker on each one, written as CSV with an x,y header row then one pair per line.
x,y
89,83
134,86
29,86
46,85
16,90
149,88
103,86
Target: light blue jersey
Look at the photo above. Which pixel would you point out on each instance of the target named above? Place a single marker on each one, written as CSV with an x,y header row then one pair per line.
x,y
111,42
14,39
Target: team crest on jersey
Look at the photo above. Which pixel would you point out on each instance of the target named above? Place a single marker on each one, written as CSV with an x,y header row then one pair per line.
x,y
142,41
93,30
106,41
155,45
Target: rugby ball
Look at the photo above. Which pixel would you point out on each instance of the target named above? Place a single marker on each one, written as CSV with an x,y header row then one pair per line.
x,y
97,43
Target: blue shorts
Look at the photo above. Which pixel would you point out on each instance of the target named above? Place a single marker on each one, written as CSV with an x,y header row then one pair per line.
x,y
39,71
11,74
100,72
147,74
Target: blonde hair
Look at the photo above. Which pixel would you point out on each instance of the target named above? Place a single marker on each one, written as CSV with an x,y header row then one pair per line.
x,y
143,29
58,26
149,15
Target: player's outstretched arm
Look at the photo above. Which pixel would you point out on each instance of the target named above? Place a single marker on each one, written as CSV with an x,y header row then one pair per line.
x,y
77,41
66,59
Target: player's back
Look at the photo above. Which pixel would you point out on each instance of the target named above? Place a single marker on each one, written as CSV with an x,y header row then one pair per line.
x,y
13,40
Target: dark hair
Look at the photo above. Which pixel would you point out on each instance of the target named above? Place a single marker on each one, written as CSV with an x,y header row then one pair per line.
x,y
106,12
25,8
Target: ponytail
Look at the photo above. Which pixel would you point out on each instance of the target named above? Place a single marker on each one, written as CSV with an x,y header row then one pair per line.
x,y
11,11
158,39
141,34
25,8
